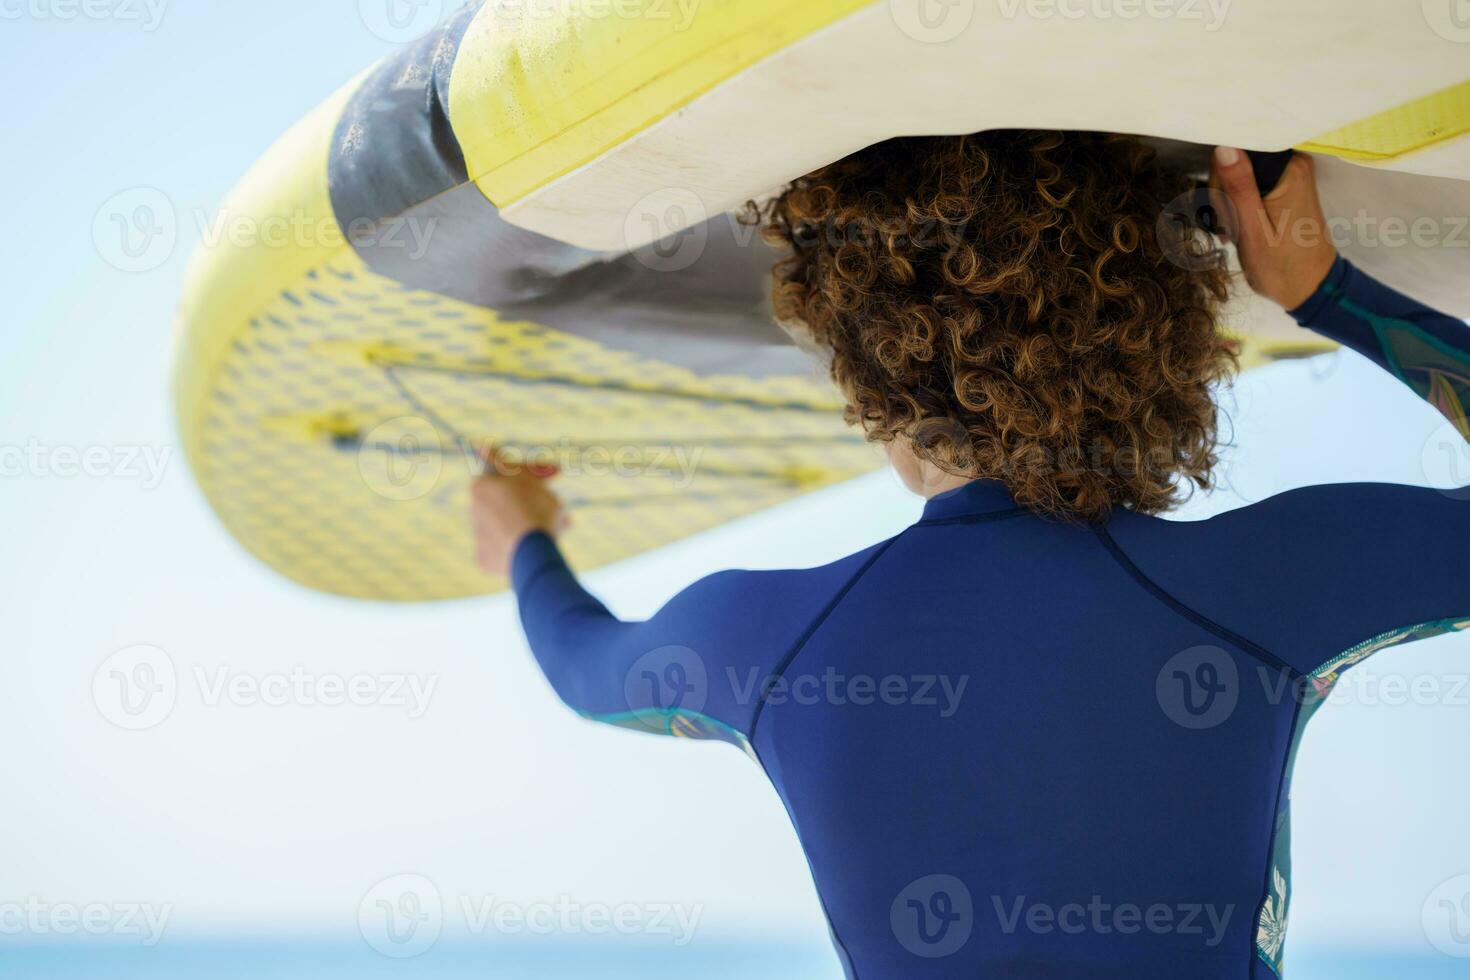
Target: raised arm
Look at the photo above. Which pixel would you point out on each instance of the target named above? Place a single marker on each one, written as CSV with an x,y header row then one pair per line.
x,y
1324,577
1288,256
699,668
1320,577
1425,349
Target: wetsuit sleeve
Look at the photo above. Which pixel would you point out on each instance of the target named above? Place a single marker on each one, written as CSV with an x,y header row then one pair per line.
x,y
1321,577
1425,349
697,668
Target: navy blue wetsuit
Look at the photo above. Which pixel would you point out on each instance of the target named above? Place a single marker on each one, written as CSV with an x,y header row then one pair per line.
x,y
1017,748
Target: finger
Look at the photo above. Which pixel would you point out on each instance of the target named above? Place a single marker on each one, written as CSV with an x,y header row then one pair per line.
x,y
1295,208
1215,191
1238,180
1299,173
490,456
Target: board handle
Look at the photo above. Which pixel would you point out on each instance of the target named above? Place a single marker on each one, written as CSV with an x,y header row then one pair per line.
x,y
1269,167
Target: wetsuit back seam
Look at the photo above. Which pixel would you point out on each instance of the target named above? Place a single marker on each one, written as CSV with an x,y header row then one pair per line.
x,y
1286,761
1252,649
1188,612
785,662
777,673
998,515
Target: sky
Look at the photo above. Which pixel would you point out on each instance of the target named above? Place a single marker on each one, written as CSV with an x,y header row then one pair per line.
x,y
246,817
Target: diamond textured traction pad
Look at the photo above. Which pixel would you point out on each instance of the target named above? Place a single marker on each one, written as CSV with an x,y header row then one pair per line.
x,y
315,458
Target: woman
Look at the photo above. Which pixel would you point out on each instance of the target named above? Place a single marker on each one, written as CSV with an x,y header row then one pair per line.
x,y
1042,732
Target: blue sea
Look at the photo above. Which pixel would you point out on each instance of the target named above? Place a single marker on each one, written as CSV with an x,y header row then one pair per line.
x,y
307,961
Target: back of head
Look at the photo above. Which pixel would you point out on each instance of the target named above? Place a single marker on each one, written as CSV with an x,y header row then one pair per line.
x,y
1004,303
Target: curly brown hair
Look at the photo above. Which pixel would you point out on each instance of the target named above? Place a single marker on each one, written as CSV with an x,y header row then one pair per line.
x,y
1011,303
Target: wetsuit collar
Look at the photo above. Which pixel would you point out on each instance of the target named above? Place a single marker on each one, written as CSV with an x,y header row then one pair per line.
x,y
972,499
